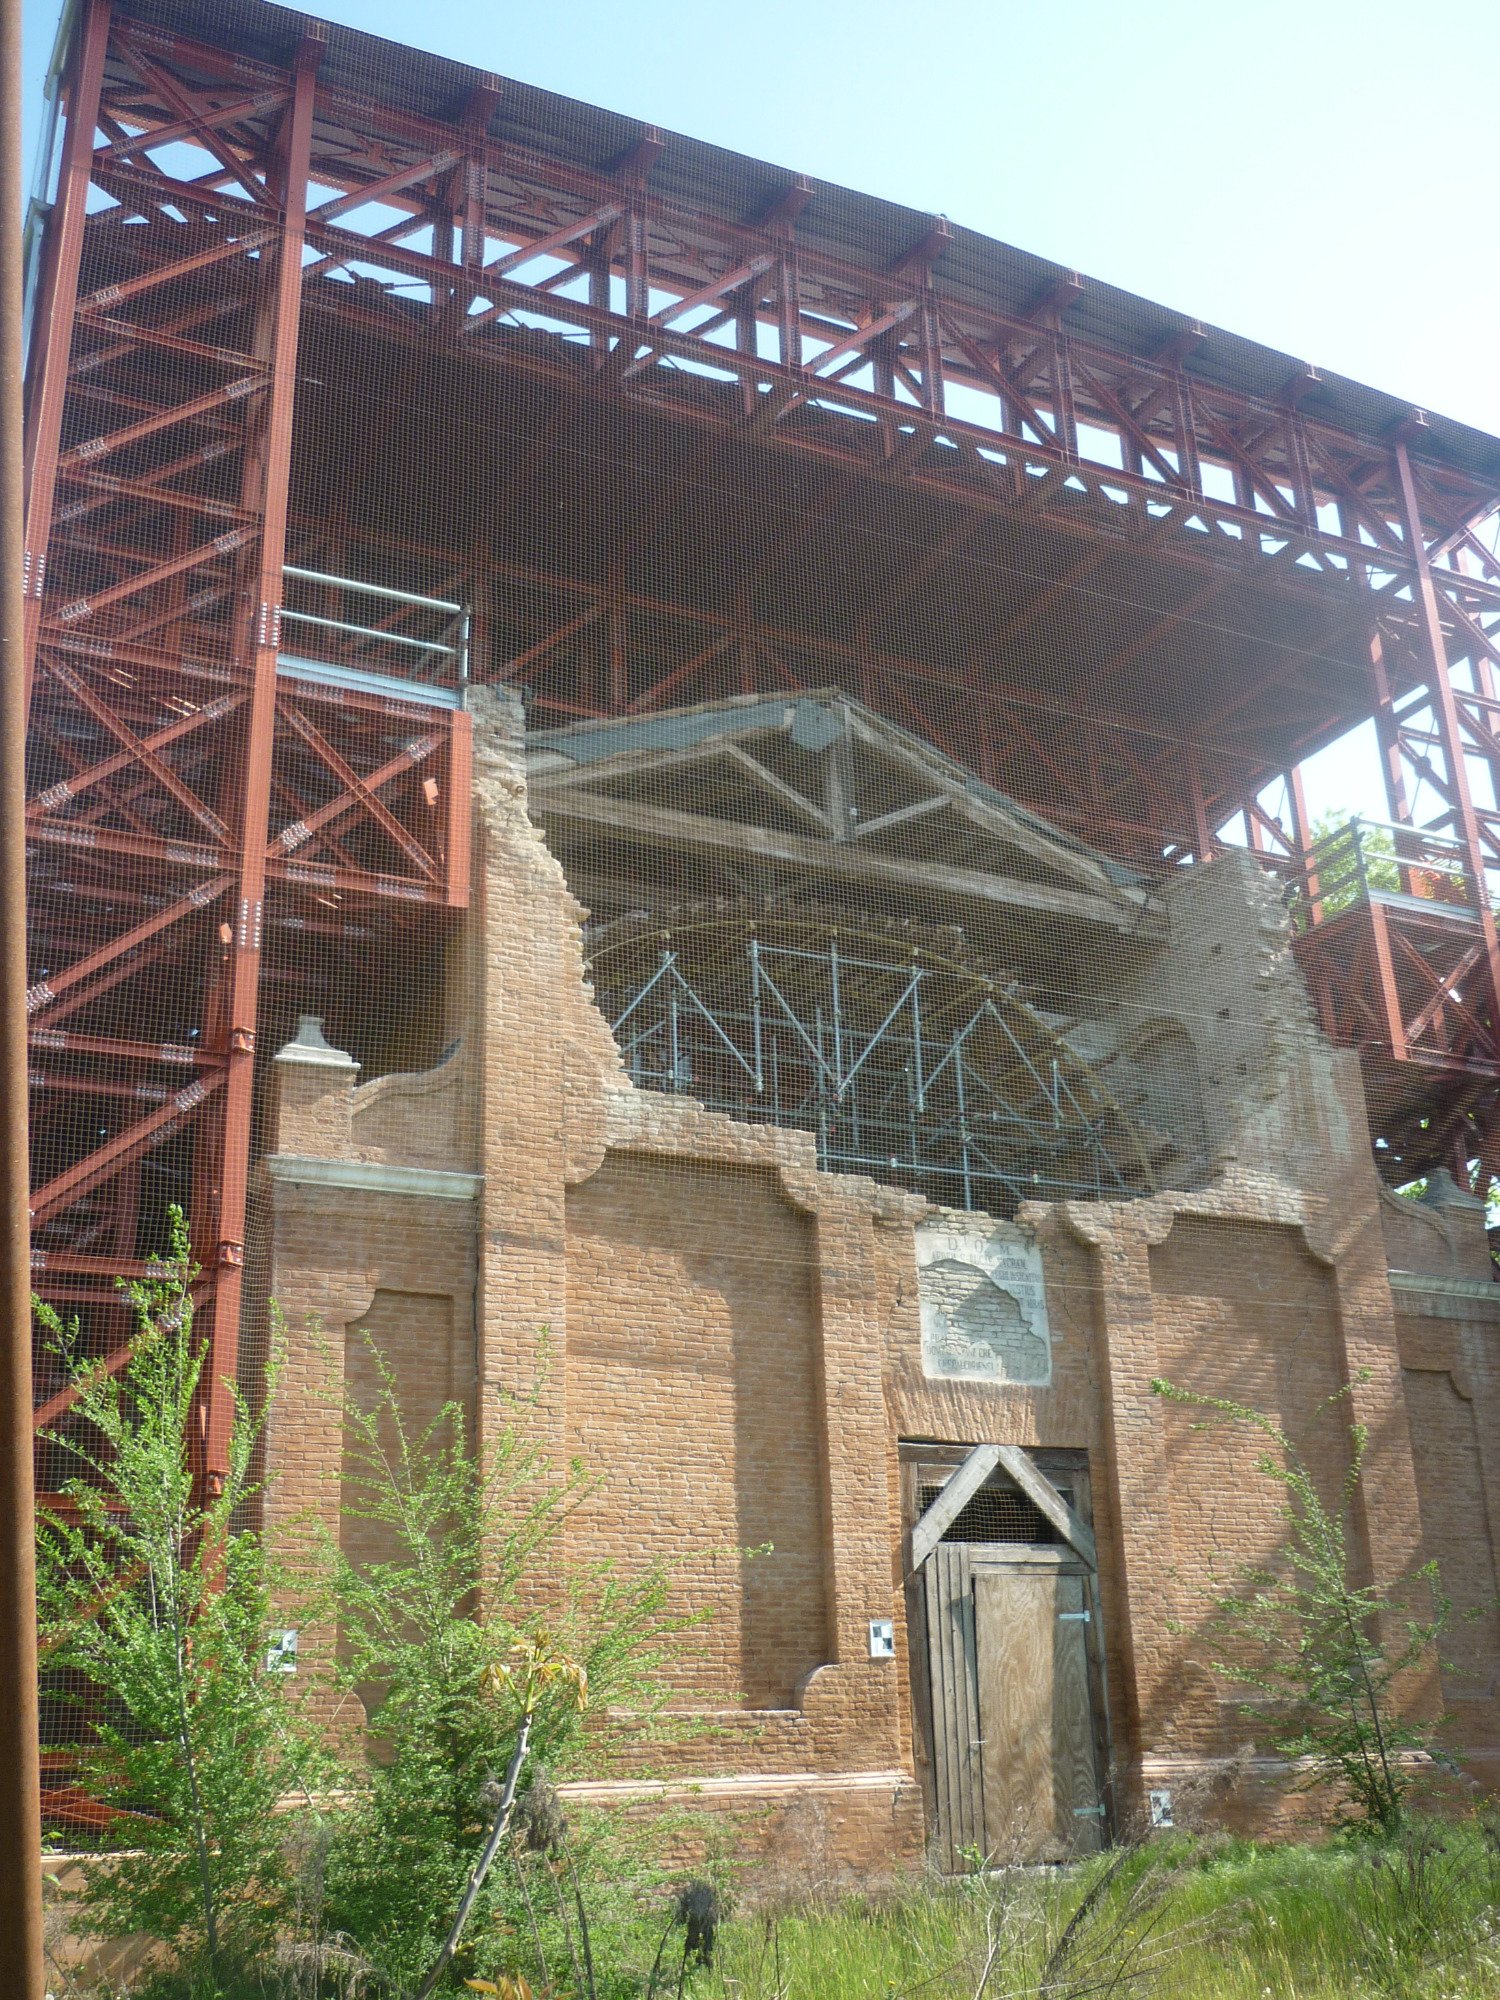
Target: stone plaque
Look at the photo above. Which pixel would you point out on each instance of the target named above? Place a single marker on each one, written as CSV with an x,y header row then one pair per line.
x,y
983,1303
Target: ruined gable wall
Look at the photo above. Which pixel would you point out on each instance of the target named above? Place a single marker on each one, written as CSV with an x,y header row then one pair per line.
x,y
1259,1085
732,1337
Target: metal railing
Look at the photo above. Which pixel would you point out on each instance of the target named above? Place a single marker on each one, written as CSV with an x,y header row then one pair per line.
x,y
337,628
1369,858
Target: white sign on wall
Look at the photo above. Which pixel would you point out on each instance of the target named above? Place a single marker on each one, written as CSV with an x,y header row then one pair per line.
x,y
983,1303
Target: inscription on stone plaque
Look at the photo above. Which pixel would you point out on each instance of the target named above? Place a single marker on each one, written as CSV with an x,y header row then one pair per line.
x,y
983,1303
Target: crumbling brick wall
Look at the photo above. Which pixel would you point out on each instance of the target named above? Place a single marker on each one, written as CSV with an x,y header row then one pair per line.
x,y
730,1338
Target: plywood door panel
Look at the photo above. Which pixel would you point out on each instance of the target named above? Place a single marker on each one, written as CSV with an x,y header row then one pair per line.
x,y
1013,1619
1040,1781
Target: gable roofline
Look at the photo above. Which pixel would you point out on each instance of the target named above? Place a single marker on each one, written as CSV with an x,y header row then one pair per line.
x,y
814,721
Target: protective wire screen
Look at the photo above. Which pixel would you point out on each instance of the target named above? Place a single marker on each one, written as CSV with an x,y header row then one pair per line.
x,y
997,1514
657,780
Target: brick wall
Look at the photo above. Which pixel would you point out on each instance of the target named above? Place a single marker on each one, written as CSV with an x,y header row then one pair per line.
x,y
1247,1314
1066,1415
1450,1345
1455,1535
731,1339
1449,1326
411,1336
691,1388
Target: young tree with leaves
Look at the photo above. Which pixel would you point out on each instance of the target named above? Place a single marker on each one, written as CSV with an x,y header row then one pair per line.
x,y
1328,1652
155,1605
474,1646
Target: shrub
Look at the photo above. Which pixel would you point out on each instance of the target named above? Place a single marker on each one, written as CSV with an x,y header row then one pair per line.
x,y
1328,1651
155,1608
470,1640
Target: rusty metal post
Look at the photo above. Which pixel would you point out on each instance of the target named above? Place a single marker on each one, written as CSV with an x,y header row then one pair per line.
x,y
1303,842
21,1971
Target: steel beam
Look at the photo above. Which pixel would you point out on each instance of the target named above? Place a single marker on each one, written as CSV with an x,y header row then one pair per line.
x,y
266,480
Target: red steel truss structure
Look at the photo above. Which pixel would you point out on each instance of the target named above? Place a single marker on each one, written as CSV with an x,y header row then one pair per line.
x,y
654,424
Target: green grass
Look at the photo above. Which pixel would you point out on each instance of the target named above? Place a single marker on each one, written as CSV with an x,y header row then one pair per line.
x,y
1223,1921
1182,1919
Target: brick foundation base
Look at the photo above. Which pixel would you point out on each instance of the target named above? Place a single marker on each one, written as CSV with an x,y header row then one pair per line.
x,y
785,1835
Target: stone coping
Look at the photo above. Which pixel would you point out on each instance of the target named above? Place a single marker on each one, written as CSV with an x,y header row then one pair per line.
x,y
1446,1298
374,1177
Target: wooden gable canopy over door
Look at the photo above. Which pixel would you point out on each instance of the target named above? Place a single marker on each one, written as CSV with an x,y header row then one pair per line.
x,y
1009,1623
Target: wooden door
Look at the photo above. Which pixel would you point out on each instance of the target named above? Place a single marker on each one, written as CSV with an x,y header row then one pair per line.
x,y
1013,1673
957,1778
1036,1722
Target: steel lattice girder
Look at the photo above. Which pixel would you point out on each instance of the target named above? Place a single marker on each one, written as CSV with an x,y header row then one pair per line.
x,y
159,450
543,230
161,735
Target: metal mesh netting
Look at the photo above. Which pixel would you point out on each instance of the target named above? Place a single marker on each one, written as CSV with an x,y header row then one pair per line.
x,y
581,684
997,1514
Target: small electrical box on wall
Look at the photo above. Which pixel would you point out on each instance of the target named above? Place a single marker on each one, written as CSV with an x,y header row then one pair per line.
x,y
281,1653
882,1638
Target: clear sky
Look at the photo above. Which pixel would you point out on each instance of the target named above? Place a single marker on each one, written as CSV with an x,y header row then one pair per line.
x,y
1315,174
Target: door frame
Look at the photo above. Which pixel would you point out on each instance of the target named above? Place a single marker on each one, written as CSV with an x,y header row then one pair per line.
x,y
927,1464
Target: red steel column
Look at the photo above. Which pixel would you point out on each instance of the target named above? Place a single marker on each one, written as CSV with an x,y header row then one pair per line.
x,y
1387,732
52,324
239,992
1302,841
1385,973
1388,737
1203,836
22,1968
